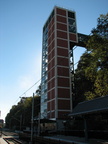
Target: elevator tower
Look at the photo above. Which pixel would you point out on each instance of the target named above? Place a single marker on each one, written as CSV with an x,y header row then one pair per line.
x,y
59,37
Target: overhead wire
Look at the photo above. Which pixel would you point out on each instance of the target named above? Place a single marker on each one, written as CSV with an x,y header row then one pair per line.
x,y
30,88
23,94
39,80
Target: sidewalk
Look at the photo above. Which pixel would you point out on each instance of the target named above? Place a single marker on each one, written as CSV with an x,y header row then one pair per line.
x,y
2,141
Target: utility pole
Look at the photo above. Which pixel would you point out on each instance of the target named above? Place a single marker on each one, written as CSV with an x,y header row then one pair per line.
x,y
32,120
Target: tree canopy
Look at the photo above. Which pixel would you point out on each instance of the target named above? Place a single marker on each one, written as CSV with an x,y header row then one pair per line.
x,y
20,114
92,71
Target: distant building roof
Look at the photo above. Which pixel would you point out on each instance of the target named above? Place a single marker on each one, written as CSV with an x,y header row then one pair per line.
x,y
91,106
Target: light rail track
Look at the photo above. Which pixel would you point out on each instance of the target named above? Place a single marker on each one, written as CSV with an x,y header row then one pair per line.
x,y
11,138
12,141
9,133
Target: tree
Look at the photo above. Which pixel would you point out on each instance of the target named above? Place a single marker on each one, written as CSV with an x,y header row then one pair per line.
x,y
20,114
92,71
82,83
102,26
97,47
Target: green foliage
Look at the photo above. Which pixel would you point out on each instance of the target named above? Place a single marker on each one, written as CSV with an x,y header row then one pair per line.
x,y
97,71
92,70
21,113
102,26
83,84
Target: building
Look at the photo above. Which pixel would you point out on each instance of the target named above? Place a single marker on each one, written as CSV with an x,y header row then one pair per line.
x,y
95,110
59,37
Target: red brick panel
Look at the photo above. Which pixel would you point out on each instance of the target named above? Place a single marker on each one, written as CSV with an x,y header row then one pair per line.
x,y
62,52
52,114
52,28
51,23
49,32
61,12
61,71
63,93
64,104
49,95
51,55
63,82
49,48
61,26
53,93
51,84
52,105
51,64
61,19
51,45
49,40
49,26
62,61
62,43
51,73
72,37
48,106
53,36
61,34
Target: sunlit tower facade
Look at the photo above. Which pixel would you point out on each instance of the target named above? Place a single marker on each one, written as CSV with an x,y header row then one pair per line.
x,y
59,35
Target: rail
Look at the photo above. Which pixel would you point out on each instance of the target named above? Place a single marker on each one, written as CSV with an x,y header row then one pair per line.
x,y
12,141
9,138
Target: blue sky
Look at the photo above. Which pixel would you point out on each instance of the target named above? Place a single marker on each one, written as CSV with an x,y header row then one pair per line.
x,y
21,23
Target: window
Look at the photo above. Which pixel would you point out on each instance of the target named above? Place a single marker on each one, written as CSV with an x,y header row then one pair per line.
x,y
72,25
71,14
